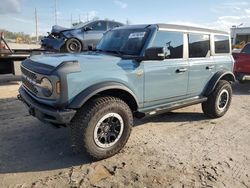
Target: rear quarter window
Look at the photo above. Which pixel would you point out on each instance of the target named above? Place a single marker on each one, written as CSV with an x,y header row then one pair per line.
x,y
222,44
246,49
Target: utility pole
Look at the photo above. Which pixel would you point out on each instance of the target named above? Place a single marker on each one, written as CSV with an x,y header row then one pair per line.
x,y
55,12
36,25
71,19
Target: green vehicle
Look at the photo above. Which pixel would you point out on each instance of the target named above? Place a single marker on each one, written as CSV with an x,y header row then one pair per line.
x,y
136,71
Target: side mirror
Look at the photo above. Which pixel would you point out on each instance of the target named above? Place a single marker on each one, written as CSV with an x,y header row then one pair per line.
x,y
155,53
87,28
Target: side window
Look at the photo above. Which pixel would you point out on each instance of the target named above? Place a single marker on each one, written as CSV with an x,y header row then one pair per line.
x,y
99,26
246,49
199,45
221,44
172,42
113,25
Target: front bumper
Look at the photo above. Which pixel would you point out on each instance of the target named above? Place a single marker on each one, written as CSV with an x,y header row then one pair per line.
x,y
51,43
45,113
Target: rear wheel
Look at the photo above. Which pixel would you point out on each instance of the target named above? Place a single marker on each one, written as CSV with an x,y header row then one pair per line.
x,y
73,46
219,100
102,127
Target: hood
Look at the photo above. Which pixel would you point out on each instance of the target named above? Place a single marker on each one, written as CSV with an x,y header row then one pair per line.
x,y
58,29
47,63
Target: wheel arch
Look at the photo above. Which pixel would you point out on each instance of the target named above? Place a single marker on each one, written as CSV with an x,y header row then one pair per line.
x,y
107,89
221,75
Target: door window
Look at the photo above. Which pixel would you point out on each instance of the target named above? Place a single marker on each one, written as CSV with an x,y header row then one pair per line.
x,y
221,44
113,25
99,26
199,45
172,42
246,49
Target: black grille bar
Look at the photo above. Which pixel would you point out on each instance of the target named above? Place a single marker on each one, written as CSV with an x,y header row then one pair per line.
x,y
28,73
27,79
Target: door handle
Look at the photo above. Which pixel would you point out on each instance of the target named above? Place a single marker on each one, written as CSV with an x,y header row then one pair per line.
x,y
210,67
181,70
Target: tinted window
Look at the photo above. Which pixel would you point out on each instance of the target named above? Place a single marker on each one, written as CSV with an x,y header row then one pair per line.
x,y
114,24
99,26
172,42
199,45
246,49
221,44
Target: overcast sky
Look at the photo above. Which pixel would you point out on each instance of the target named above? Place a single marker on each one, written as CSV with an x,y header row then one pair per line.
x,y
18,15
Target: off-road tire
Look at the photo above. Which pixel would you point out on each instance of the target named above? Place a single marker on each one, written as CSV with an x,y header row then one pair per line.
x,y
84,123
73,42
210,107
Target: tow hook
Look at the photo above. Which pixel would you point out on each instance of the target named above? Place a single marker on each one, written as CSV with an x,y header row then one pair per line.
x,y
19,97
32,111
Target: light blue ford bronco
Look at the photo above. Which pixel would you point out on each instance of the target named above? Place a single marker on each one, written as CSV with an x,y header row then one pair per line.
x,y
135,71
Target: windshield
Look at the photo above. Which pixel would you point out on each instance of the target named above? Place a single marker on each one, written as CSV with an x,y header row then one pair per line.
x,y
124,41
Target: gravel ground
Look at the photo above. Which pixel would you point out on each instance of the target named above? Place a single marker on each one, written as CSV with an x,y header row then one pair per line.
x,y
179,149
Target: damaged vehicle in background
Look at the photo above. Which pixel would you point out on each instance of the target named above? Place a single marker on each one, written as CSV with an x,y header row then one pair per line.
x,y
78,38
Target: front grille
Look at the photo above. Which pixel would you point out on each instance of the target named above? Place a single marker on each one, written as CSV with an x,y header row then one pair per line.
x,y
29,86
28,73
27,79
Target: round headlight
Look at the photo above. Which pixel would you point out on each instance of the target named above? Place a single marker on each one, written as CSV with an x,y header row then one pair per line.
x,y
47,88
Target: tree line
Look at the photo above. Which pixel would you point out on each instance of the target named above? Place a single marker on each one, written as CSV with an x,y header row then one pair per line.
x,y
19,37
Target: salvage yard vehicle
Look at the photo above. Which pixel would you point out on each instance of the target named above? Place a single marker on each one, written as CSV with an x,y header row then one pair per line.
x,y
135,71
242,64
10,58
78,38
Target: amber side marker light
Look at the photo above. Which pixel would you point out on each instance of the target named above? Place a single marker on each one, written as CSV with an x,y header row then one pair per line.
x,y
58,87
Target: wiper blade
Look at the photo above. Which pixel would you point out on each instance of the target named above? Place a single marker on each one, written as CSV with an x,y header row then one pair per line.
x,y
120,53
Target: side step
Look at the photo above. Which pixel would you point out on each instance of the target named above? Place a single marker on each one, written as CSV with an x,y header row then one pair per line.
x,y
175,105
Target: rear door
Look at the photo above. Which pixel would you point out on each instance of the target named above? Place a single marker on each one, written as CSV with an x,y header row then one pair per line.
x,y
202,65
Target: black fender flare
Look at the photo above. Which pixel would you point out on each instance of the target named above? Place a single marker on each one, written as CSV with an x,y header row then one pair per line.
x,y
91,91
225,75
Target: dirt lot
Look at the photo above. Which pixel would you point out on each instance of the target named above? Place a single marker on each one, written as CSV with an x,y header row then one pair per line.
x,y
178,149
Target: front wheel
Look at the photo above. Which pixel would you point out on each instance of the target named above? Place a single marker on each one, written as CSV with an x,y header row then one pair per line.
x,y
219,100
102,127
73,46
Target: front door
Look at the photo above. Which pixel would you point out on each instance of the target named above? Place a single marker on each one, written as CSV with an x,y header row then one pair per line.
x,y
167,80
